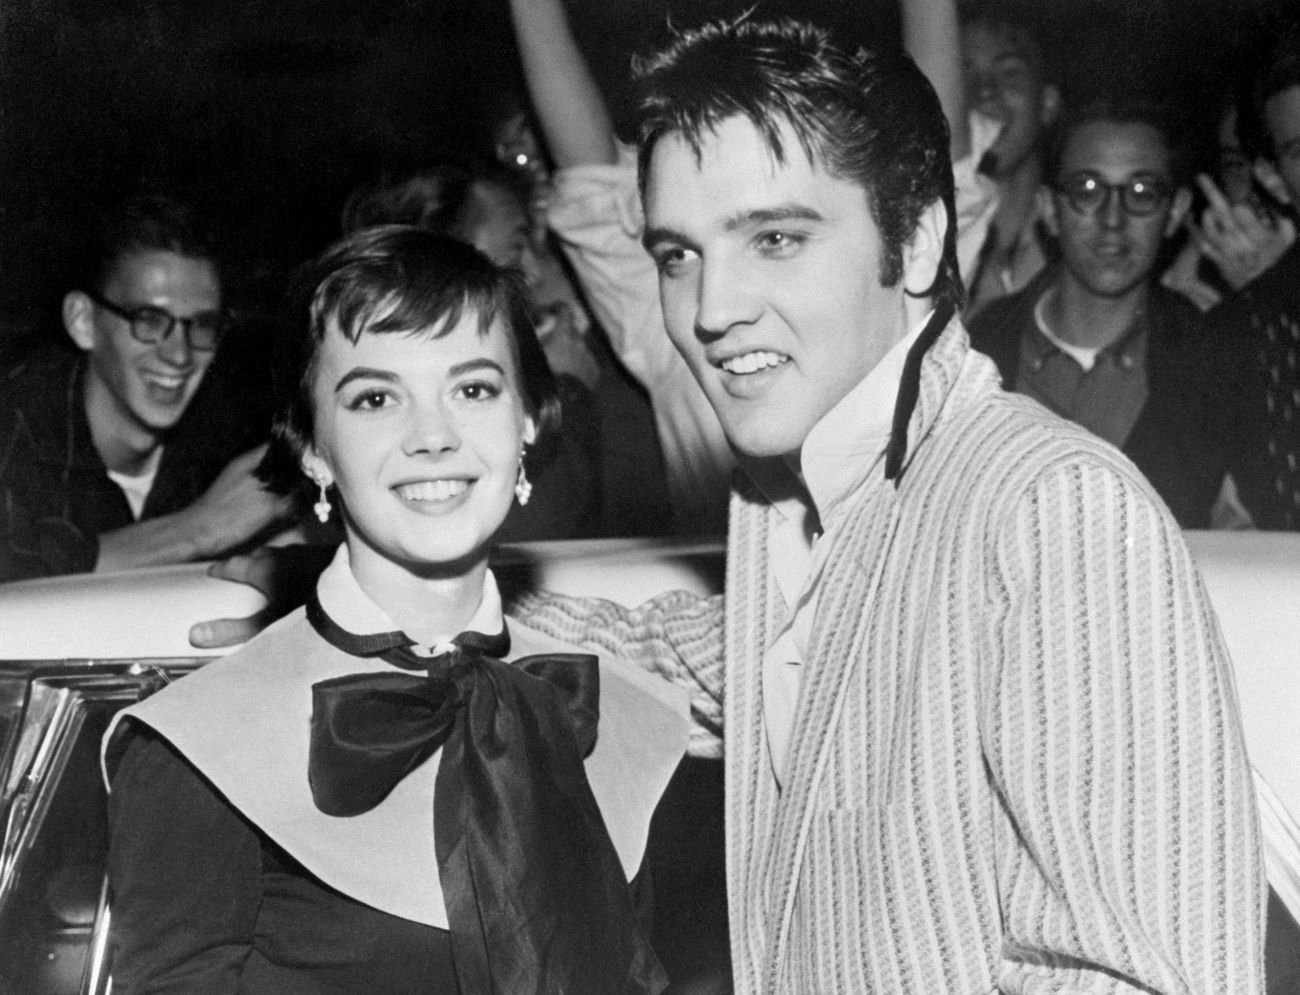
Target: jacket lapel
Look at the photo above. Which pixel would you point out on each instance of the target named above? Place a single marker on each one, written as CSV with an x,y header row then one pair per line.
x,y
850,586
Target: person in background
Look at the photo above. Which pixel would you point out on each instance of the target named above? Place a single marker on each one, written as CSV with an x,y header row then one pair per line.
x,y
484,207
967,673
120,452
1242,231
1008,84
386,792
1095,338
1258,328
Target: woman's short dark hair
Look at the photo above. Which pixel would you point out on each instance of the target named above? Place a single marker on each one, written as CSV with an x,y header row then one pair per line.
x,y
869,117
395,279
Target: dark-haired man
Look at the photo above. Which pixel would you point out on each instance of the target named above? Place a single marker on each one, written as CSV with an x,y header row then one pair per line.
x,y
1095,338
969,681
113,454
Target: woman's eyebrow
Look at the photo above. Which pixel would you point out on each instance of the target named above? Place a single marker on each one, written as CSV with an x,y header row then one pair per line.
x,y
470,365
364,373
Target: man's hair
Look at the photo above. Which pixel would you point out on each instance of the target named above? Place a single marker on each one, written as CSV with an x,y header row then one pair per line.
x,y
438,197
1136,110
1017,22
404,280
143,223
1279,73
868,117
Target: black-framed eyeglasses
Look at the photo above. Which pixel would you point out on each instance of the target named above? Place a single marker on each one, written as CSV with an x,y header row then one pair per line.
x,y
1088,193
151,325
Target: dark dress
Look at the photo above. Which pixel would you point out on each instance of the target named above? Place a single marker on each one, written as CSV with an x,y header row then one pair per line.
x,y
206,903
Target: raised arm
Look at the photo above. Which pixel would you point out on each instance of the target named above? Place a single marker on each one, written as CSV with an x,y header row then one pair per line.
x,y
932,36
564,93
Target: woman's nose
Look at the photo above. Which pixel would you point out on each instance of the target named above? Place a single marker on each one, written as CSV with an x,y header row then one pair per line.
x,y
431,429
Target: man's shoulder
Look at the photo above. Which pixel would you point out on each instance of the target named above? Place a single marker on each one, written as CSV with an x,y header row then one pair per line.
x,y
1001,444
996,327
35,381
34,372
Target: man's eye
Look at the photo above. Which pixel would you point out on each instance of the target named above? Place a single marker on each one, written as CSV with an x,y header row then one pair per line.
x,y
779,243
673,260
152,320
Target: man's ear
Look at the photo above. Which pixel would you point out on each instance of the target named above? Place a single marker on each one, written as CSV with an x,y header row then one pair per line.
x,y
924,250
79,319
1049,105
1182,201
1047,211
1271,180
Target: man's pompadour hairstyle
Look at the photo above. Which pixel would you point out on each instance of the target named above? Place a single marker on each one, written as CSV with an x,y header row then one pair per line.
x,y
869,117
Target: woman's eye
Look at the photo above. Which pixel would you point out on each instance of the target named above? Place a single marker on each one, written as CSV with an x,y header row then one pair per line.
x,y
370,400
478,390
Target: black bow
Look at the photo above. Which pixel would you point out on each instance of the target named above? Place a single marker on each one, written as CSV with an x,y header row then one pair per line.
x,y
535,894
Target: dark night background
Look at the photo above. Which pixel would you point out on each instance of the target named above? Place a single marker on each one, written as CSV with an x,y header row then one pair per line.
x,y
264,111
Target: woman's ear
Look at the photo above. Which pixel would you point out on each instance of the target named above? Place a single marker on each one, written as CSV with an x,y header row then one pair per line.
x,y
924,250
315,467
530,430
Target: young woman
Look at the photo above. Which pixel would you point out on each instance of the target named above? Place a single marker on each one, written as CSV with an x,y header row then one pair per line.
x,y
368,797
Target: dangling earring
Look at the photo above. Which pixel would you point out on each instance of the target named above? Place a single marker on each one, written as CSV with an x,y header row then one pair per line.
x,y
322,507
523,489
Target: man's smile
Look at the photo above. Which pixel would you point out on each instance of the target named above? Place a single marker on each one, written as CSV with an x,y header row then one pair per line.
x,y
753,362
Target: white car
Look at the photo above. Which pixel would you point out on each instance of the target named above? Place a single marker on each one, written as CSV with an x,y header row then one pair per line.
x,y
74,650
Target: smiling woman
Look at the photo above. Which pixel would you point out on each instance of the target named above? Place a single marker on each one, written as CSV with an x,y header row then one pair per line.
x,y
410,387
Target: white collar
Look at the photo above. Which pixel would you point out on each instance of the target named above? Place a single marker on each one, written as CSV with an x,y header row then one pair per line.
x,y
848,441
354,610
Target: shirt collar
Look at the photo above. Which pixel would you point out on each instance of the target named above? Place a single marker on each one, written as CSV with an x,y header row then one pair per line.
x,y
1129,349
844,447
352,609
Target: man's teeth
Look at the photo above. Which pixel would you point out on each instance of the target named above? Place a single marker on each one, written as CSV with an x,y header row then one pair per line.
x,y
166,382
432,490
752,362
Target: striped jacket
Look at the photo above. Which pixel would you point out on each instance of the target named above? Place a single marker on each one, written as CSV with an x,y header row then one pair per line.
x,y
1017,762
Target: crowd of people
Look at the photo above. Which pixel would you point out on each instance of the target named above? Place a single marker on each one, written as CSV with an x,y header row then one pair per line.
x,y
950,355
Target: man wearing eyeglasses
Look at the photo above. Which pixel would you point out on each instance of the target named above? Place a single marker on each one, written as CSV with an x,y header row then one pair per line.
x,y
1094,338
100,467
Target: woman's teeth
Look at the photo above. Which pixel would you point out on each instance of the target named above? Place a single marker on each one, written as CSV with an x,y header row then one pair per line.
x,y
432,490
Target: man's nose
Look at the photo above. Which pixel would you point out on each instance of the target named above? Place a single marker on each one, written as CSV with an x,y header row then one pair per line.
x,y
725,299
1111,214
174,347
981,88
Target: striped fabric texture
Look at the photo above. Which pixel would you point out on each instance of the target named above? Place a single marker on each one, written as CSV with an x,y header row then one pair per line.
x,y
1017,762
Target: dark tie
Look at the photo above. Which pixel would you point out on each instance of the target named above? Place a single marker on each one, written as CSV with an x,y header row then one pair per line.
x,y
536,898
